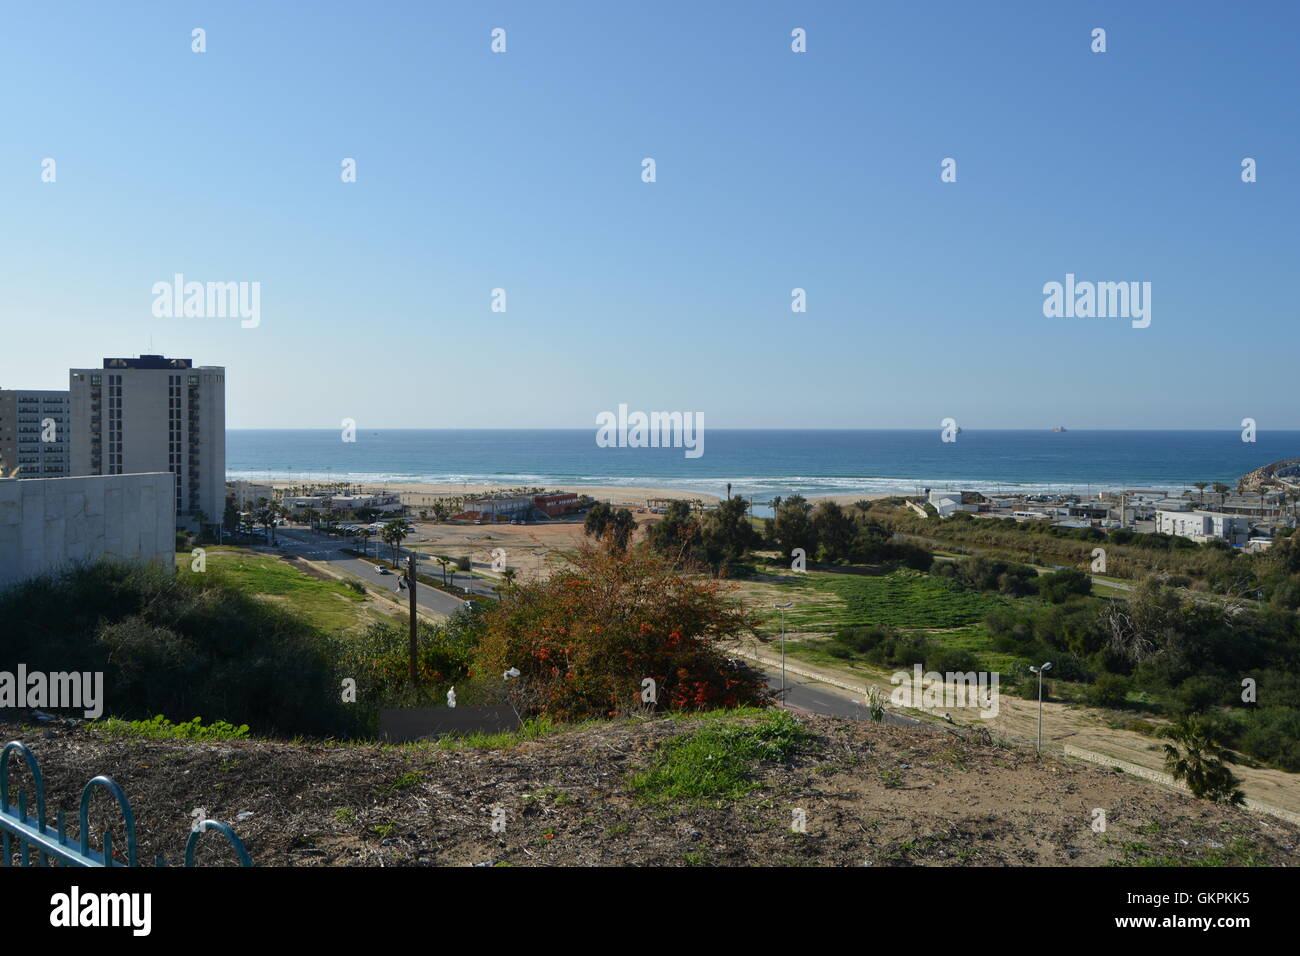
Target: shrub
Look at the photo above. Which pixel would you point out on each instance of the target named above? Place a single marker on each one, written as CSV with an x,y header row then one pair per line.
x,y
176,647
1109,690
585,639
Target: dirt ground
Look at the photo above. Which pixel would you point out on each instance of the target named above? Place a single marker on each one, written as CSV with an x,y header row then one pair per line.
x,y
528,547
871,795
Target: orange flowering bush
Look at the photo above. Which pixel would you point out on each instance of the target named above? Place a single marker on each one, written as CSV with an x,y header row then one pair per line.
x,y
584,640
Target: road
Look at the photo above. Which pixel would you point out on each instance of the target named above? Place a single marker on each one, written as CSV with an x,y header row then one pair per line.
x,y
321,547
803,693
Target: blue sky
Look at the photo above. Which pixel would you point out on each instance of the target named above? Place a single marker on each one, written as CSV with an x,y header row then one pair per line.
x,y
775,170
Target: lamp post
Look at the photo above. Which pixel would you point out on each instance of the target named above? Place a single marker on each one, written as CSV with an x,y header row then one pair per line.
x,y
1039,671
781,608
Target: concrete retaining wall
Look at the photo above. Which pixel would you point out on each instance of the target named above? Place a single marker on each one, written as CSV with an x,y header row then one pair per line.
x,y
46,523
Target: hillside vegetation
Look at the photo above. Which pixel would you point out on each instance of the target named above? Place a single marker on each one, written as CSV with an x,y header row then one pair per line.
x,y
709,789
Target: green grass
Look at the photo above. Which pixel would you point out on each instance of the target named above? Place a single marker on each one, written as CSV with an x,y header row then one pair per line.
x,y
1240,852
716,761
906,599
330,606
534,728
160,728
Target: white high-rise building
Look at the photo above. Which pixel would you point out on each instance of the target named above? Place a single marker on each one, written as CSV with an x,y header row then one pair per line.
x,y
151,414
34,431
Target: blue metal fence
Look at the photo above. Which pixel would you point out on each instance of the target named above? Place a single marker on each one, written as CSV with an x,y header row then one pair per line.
x,y
52,844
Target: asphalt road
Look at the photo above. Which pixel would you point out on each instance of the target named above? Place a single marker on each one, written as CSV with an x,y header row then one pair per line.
x,y
818,698
322,547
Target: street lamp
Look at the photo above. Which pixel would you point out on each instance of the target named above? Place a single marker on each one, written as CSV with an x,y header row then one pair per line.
x,y
1040,671
781,608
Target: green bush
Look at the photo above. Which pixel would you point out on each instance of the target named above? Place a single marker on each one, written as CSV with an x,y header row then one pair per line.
x,y
176,646
1108,690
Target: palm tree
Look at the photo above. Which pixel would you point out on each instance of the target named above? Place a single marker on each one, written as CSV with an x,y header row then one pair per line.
x,y
1201,486
1202,762
393,533
1221,490
443,560
267,513
364,534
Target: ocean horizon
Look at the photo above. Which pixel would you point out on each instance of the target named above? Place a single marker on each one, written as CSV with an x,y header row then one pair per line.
x,y
761,463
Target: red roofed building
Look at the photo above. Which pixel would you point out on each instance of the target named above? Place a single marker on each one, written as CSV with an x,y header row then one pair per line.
x,y
559,504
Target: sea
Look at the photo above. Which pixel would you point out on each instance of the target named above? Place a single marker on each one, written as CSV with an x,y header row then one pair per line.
x,y
761,463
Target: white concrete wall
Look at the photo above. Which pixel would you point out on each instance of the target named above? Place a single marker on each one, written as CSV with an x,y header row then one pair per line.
x,y
46,523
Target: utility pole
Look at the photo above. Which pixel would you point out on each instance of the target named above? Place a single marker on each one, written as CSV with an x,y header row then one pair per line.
x,y
410,587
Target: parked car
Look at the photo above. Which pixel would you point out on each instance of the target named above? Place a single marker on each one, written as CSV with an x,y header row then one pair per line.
x,y
381,569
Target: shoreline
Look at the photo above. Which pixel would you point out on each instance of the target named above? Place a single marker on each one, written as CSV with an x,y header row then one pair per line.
x,y
425,492
422,493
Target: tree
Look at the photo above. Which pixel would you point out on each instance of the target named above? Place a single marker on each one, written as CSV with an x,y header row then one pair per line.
x,y
614,525
230,517
727,533
364,534
444,561
1064,584
1202,761
834,530
586,639
791,526
267,514
621,528
394,533
597,520
677,534
1200,486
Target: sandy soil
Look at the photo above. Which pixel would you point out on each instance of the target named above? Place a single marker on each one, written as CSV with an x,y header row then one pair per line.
x,y
871,795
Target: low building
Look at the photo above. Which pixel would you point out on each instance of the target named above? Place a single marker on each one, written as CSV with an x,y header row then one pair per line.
x,y
49,523
382,502
950,502
246,494
1204,526
556,504
514,506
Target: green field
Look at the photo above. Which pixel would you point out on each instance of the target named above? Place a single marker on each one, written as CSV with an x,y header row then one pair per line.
x,y
974,638
328,604
906,599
